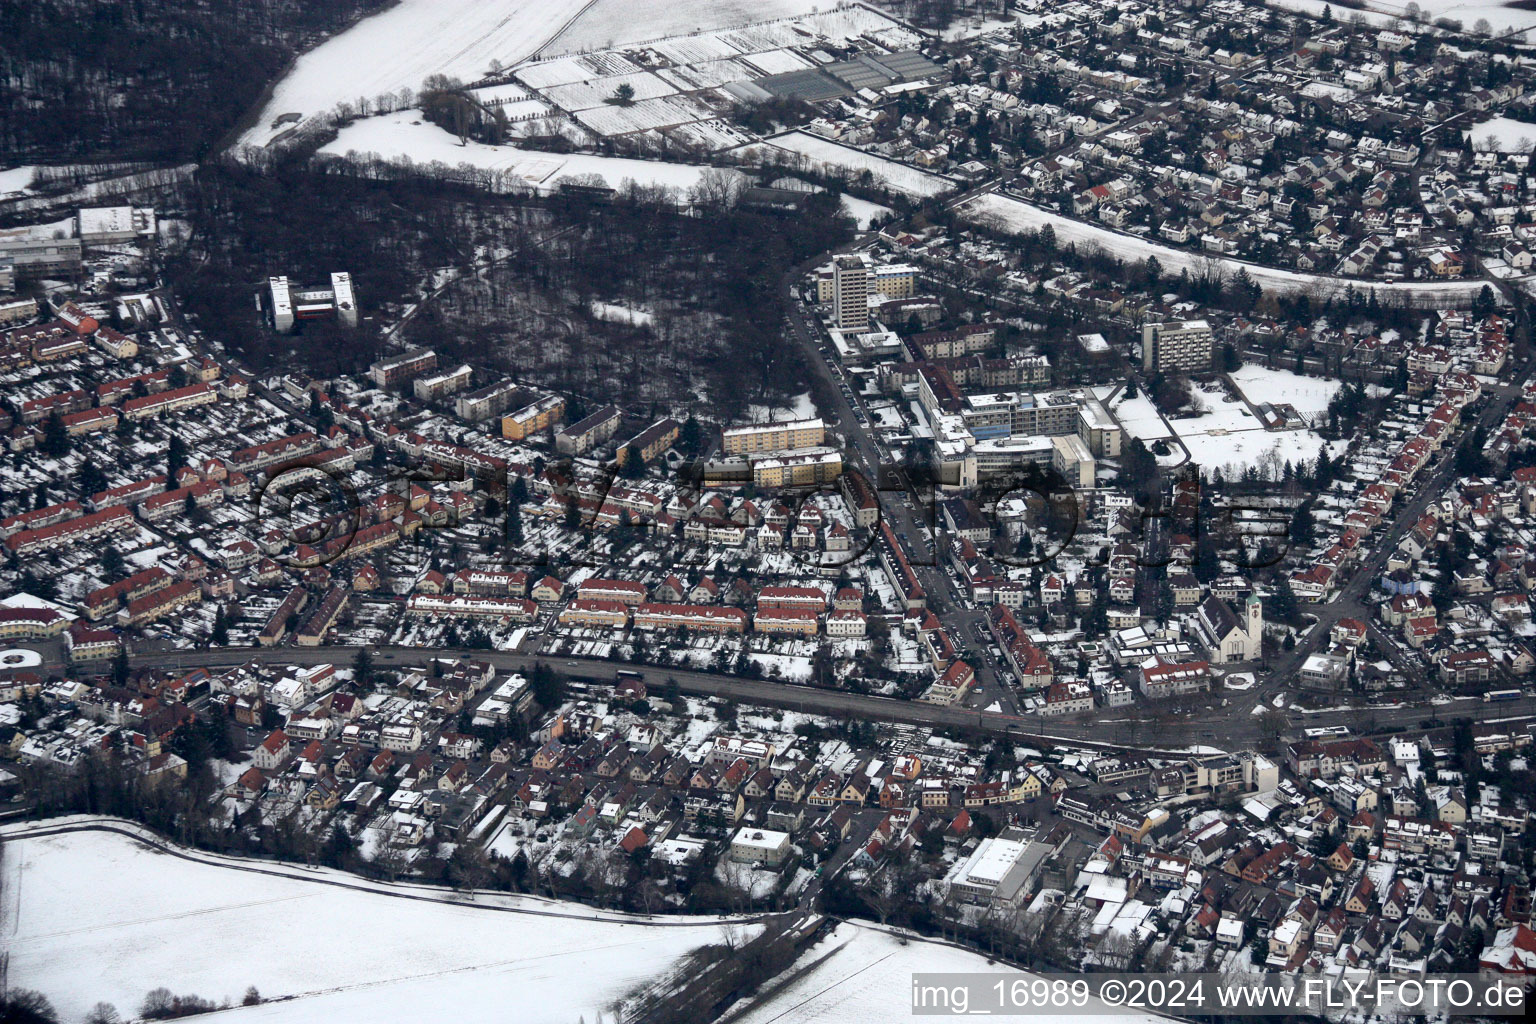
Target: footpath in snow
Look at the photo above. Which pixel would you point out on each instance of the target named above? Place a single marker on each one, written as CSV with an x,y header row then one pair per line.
x,y
1009,214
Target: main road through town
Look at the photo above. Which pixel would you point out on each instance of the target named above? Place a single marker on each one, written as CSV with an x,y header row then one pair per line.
x,y
1234,727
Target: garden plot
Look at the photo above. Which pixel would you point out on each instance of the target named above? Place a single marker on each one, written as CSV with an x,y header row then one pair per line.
x,y
694,49
599,91
707,75
748,23
777,62
663,112
710,135
564,70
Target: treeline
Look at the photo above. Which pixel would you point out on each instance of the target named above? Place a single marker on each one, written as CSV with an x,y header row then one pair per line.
x,y
145,79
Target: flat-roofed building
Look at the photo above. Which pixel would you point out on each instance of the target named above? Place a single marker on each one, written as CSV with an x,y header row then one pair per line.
x,y
1176,346
437,385
526,420
760,846
33,257
850,292
894,280
405,366
113,225
772,437
1002,870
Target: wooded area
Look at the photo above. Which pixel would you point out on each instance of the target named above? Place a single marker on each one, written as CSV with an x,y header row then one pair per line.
x,y
710,280
145,79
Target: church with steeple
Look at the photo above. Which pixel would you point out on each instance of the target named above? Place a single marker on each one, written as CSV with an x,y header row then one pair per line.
x,y
1230,637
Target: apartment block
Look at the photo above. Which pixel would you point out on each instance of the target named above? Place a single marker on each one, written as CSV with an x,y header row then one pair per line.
x,y
584,435
651,442
406,366
429,389
772,437
537,415
1177,346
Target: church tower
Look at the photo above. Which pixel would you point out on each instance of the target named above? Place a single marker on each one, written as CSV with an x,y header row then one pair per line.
x,y
1255,627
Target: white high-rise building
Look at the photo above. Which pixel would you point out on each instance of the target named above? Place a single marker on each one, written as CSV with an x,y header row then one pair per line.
x,y
282,304
850,293
346,301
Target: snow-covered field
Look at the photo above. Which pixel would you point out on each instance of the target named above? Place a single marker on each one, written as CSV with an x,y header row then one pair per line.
x,y
94,916
15,180
1310,395
1501,19
1009,214
399,47
404,134
865,974
822,152
609,23
1503,135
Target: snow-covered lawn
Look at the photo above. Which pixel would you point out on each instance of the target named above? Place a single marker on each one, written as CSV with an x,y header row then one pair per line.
x,y
801,407
95,916
863,211
405,135
1309,395
860,973
1503,135
400,46
822,152
1140,419
1009,214
1232,451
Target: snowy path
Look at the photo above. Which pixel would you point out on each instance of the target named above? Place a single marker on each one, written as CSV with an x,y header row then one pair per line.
x,y
1007,213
